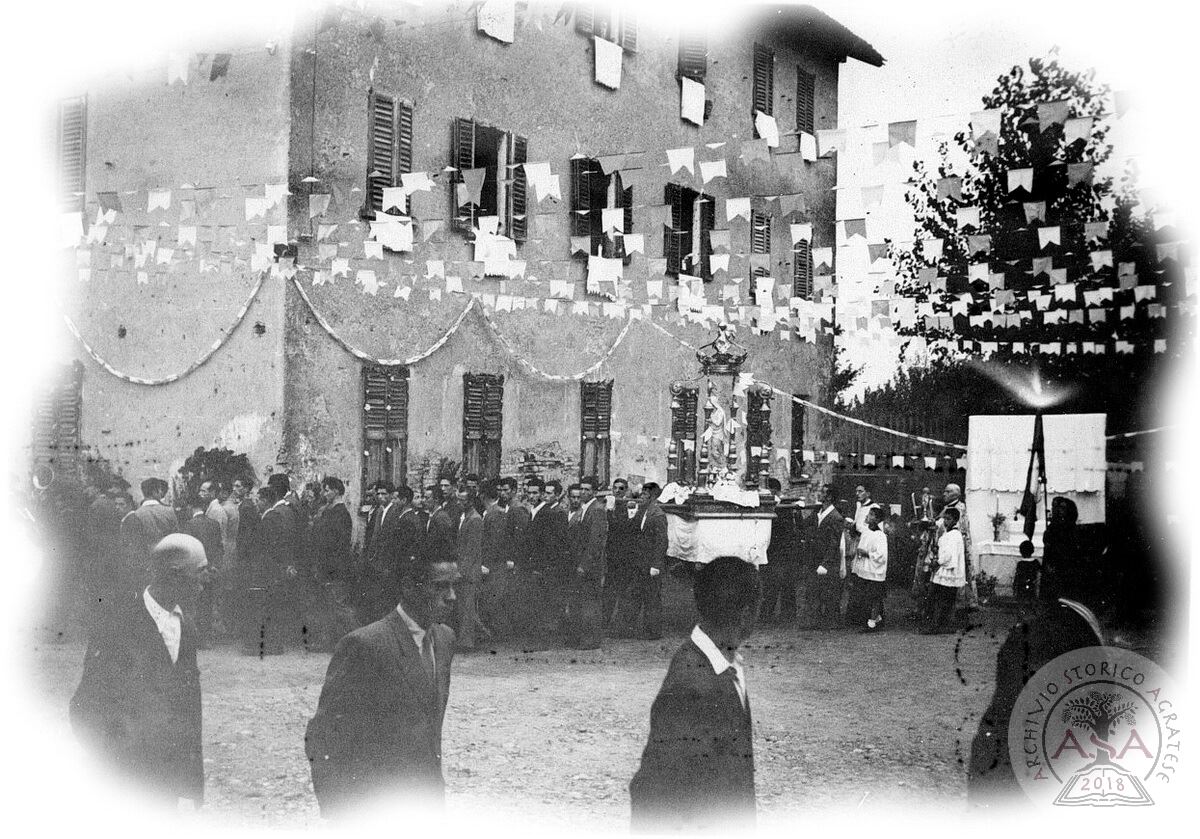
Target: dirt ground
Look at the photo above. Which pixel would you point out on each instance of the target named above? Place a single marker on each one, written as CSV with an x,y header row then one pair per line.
x,y
842,719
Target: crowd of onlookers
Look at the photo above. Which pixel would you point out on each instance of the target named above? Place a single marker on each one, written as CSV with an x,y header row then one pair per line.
x,y
537,559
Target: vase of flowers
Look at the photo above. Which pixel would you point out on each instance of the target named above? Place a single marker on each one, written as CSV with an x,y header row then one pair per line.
x,y
998,520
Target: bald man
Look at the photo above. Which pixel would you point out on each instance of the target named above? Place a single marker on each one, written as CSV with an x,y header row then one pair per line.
x,y
138,704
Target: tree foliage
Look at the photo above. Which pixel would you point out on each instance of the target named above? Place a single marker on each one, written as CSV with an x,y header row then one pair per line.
x,y
214,464
999,289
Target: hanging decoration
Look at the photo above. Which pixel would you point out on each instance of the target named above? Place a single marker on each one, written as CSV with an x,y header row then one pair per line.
x,y
191,368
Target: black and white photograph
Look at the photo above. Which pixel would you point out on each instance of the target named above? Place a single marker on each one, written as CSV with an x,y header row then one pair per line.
x,y
519,416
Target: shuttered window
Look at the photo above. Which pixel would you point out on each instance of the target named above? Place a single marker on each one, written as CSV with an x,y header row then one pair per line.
x,y
683,434
760,238
686,244
609,22
593,191
802,270
385,424
389,149
693,55
505,186
57,416
763,98
797,459
483,423
595,415
806,97
72,152
758,436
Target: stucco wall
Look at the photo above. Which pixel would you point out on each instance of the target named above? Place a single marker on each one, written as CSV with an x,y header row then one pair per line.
x,y
541,86
227,138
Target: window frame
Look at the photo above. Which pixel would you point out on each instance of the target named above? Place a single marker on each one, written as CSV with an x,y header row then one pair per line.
x,y
762,82
595,442
399,155
806,101
758,433
685,415
700,214
385,449
799,423
512,188
586,219
71,142
482,447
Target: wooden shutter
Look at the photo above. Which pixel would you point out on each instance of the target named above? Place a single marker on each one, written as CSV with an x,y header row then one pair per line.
x,y
595,428
806,97
483,422
764,80
385,424
382,135
758,434
802,270
708,220
404,148
797,460
519,227
581,195
671,244
693,56
625,200
72,152
629,31
57,417
683,427
462,156
584,12
760,232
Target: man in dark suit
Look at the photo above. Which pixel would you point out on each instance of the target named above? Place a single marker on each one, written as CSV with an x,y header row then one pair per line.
x,y
620,556
468,547
543,548
697,770
781,573
329,557
377,735
142,529
138,703
208,533
274,572
588,539
827,569
438,539
650,556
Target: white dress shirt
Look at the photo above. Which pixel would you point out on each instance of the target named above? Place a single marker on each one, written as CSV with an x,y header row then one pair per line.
x,y
719,662
170,624
418,636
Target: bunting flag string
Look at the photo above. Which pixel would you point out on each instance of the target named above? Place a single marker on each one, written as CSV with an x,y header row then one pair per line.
x,y
530,368
383,362
191,368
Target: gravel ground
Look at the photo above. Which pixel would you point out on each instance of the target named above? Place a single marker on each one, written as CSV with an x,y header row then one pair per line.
x,y
842,719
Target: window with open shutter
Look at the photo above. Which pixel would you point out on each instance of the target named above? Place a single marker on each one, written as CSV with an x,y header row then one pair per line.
x,y
802,270
595,417
760,238
763,98
518,208
677,239
758,436
693,55
683,434
593,191
708,221
389,149
385,424
462,157
608,21
806,97
797,459
483,423
72,152
57,417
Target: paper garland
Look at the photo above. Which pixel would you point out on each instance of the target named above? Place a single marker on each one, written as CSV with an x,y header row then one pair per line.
x,y
193,367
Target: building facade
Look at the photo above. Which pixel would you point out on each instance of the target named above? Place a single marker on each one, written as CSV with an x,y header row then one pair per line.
x,y
382,191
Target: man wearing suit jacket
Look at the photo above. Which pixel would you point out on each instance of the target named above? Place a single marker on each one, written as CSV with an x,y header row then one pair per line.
x,y
588,537
650,561
827,568
543,548
468,547
142,529
275,572
438,538
377,735
697,770
138,703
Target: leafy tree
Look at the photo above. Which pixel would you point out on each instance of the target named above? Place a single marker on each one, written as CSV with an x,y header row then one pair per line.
x,y
215,464
1000,289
